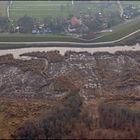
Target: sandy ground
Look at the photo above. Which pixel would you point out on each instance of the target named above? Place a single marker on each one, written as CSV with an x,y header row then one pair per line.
x,y
17,52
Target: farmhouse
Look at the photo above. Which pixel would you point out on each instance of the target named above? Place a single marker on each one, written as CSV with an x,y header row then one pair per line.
x,y
74,21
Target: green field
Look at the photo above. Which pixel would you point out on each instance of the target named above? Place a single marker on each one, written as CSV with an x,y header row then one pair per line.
x,y
127,3
37,9
121,31
42,9
3,8
6,37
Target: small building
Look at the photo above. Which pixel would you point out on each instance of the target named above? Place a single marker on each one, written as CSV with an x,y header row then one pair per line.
x,y
74,21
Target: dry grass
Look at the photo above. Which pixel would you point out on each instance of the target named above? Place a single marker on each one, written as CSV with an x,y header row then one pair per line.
x,y
13,113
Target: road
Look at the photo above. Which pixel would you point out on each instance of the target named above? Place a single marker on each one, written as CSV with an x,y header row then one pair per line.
x,y
8,15
120,7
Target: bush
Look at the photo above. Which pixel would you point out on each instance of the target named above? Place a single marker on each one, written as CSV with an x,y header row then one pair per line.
x,y
118,117
63,121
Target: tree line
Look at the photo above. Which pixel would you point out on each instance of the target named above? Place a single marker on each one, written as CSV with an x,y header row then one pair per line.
x,y
26,24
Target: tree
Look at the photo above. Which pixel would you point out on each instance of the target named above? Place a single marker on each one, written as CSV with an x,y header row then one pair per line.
x,y
56,123
26,24
113,19
4,24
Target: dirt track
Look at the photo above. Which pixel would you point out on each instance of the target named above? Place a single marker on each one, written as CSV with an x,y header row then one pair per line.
x,y
17,52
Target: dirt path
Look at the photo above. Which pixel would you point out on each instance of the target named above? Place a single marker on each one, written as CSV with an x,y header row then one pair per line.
x,y
17,52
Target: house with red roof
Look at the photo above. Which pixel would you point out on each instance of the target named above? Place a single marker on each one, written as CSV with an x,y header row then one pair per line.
x,y
74,21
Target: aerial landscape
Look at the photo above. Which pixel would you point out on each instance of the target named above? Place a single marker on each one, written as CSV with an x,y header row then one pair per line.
x,y
69,69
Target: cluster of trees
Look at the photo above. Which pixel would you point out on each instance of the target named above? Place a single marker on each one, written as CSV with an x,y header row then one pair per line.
x,y
131,11
94,21
101,21
25,24
63,121
4,24
119,117
70,120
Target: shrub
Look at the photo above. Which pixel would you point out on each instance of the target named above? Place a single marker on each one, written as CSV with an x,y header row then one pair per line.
x,y
118,117
63,121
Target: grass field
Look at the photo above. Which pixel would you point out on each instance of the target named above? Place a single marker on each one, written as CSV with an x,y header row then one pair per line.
x,y
37,9
121,30
6,37
127,3
3,8
42,9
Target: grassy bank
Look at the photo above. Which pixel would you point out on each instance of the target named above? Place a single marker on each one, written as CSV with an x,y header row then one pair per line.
x,y
35,38
121,31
